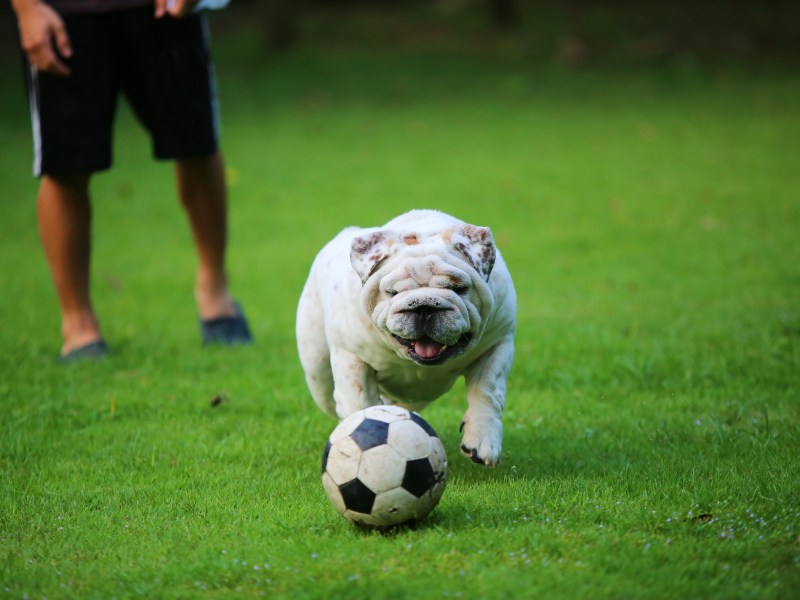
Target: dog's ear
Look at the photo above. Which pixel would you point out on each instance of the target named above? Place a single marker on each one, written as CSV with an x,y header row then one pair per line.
x,y
368,251
477,245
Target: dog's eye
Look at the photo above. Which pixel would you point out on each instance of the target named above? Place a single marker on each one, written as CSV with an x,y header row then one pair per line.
x,y
461,289
391,292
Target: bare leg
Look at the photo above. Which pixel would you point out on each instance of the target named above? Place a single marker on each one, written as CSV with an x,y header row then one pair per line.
x,y
65,216
201,187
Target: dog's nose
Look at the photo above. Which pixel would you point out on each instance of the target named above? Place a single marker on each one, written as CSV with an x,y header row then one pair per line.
x,y
427,311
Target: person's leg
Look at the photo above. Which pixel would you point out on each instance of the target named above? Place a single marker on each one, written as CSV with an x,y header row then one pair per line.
x,y
65,216
169,82
201,187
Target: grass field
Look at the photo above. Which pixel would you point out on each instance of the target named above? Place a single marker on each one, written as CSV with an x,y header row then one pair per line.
x,y
650,217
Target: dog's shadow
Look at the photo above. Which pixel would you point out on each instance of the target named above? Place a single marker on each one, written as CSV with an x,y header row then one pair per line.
x,y
536,462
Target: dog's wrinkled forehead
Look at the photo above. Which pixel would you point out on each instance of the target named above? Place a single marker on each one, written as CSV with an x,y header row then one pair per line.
x,y
473,243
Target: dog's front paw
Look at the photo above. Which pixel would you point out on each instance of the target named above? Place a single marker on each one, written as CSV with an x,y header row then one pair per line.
x,y
483,439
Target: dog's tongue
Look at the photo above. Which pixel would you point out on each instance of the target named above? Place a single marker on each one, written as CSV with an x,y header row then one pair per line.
x,y
427,348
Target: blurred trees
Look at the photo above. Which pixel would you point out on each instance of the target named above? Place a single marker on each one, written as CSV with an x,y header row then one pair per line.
x,y
281,18
572,31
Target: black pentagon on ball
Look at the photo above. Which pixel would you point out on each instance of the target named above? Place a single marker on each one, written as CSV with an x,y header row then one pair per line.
x,y
424,424
370,433
419,476
357,496
325,454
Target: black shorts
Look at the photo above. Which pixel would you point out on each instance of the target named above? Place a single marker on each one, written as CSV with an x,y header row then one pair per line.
x,y
162,66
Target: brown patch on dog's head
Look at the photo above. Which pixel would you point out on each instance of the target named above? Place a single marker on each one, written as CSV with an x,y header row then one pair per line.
x,y
447,235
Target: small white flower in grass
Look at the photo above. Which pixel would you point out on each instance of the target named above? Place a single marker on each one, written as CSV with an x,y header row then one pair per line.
x,y
256,568
354,577
697,422
314,555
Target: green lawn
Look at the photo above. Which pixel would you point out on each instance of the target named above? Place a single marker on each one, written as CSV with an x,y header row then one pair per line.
x,y
650,217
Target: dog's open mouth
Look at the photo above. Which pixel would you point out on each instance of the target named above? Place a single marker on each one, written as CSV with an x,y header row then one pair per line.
x,y
427,351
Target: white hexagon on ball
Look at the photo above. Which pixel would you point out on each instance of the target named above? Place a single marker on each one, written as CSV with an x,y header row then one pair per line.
x,y
386,413
381,468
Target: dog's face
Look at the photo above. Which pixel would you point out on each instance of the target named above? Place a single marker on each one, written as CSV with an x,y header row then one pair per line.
x,y
426,294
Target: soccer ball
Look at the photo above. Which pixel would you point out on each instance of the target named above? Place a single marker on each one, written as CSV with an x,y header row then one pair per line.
x,y
384,466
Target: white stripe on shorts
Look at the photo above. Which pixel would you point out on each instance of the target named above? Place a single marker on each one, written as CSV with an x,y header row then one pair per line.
x,y
33,99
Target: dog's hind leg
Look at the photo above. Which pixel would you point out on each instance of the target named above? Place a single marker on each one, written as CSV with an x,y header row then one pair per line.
x,y
312,346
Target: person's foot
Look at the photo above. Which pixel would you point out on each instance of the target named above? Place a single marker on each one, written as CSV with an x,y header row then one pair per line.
x,y
87,352
79,329
226,330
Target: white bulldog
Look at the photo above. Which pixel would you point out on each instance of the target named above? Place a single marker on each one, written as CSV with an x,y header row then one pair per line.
x,y
395,314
